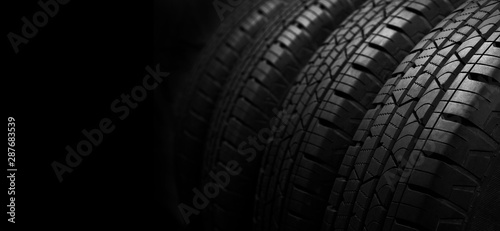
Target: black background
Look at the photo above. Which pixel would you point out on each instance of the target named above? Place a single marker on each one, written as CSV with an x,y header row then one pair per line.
x,y
64,80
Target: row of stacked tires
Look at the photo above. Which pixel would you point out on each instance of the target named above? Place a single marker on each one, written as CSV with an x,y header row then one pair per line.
x,y
344,115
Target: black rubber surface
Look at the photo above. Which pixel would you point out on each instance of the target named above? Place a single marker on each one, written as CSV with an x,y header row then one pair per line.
x,y
234,38
243,115
426,156
327,104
